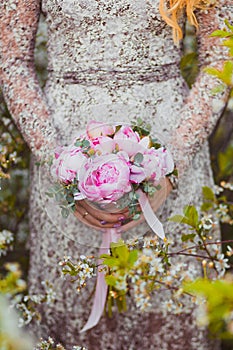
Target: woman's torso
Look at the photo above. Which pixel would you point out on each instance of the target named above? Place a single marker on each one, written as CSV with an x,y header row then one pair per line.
x,y
111,60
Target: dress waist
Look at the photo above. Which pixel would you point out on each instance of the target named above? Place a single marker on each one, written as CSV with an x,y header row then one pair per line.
x,y
118,76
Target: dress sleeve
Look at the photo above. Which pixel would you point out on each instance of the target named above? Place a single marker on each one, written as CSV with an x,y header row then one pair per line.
x,y
202,107
25,99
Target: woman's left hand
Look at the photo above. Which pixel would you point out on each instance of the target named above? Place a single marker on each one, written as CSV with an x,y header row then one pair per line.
x,y
100,219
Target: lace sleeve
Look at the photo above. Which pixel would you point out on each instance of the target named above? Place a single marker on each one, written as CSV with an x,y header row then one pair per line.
x,y
202,108
25,100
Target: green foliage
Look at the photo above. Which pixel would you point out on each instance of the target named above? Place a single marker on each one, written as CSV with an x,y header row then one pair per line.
x,y
120,263
209,198
12,283
225,162
190,217
189,67
141,127
226,73
219,304
121,258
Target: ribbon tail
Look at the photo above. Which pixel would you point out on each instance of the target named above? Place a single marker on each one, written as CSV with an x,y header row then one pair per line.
x,y
110,235
149,215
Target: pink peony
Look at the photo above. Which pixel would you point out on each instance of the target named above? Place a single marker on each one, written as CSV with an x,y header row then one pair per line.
x,y
155,165
68,162
130,142
126,133
96,129
105,178
103,144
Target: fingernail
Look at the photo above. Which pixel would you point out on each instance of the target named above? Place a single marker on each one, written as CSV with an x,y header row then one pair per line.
x,y
121,218
103,222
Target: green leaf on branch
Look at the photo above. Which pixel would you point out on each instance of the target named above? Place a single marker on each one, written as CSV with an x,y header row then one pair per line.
x,y
191,213
219,303
65,212
225,74
206,206
110,280
190,217
121,257
208,194
180,219
188,237
220,34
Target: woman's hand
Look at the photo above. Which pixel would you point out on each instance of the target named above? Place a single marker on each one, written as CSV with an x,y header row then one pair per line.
x,y
100,219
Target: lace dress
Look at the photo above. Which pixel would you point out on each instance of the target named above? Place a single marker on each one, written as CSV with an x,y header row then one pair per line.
x,y
110,61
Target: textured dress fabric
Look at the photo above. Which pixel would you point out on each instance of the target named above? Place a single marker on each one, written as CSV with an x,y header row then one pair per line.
x,y
108,61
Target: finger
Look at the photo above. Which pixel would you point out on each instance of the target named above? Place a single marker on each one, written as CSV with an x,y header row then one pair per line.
x,y
92,221
131,224
80,218
104,216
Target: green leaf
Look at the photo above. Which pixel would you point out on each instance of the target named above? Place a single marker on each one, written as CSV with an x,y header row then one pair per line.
x,y
220,33
49,194
191,213
86,143
78,143
64,212
155,143
117,128
105,256
110,280
138,158
111,262
136,216
225,161
133,256
180,219
206,206
208,194
229,25
225,74
120,251
189,67
188,237
190,216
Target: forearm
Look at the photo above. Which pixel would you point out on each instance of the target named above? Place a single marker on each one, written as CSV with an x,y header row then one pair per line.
x,y
202,107
21,89
28,108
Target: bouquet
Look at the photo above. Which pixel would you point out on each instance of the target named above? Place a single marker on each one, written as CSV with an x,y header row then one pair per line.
x,y
112,166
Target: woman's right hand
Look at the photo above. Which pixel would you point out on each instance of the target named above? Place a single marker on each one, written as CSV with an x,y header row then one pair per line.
x,y
122,220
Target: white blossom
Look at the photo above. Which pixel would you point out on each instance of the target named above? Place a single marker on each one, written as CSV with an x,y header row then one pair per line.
x,y
221,264
218,189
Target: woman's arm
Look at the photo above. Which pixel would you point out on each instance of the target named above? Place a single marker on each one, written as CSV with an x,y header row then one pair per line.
x,y
203,108
25,100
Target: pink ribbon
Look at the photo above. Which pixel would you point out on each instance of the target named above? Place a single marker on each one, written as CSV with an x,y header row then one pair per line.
x,y
110,235
149,215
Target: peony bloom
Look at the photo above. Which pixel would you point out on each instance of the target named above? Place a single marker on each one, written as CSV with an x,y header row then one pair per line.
x,y
155,165
67,163
103,144
129,141
96,129
105,178
127,133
